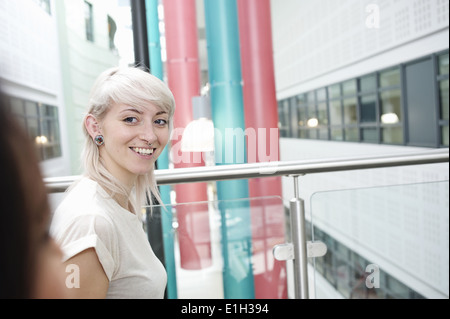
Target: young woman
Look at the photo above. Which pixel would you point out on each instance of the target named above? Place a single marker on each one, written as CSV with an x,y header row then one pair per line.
x,y
98,223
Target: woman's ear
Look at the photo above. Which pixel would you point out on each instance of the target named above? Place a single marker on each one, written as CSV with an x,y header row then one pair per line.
x,y
92,126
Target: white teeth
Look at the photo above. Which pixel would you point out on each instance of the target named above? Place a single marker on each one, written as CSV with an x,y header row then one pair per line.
x,y
143,151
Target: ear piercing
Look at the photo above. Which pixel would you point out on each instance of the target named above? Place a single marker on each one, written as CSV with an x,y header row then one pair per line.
x,y
99,140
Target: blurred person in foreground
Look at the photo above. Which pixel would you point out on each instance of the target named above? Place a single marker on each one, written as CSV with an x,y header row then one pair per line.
x,y
30,261
98,223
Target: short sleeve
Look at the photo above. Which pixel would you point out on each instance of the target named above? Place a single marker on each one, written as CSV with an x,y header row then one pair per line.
x,y
90,231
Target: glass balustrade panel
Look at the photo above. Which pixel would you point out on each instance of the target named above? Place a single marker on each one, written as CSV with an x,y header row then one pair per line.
x,y
383,242
222,249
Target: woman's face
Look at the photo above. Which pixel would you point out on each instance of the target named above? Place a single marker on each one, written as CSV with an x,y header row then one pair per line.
x,y
134,138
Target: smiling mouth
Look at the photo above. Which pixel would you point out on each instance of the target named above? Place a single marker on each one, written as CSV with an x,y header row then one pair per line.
x,y
143,151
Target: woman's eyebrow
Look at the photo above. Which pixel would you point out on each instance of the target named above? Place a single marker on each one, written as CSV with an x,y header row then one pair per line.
x,y
135,110
131,109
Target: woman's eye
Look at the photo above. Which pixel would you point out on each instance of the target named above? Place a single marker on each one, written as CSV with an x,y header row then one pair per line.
x,y
161,122
130,120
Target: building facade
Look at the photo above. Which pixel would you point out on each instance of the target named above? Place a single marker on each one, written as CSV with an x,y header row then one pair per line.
x,y
367,78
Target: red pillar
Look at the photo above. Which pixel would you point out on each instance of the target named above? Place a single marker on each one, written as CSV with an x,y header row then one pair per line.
x,y
183,72
261,115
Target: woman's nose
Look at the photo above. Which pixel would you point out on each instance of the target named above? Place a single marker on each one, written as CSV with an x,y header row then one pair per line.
x,y
147,134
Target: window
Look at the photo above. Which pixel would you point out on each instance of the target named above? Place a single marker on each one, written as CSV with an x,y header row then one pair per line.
x,y
322,114
302,116
312,122
336,119
112,29
390,78
349,88
283,112
368,83
443,98
421,104
368,108
89,21
41,121
345,270
351,120
443,95
401,105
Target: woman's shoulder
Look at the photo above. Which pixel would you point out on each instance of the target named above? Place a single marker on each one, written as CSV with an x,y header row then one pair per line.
x,y
82,207
84,197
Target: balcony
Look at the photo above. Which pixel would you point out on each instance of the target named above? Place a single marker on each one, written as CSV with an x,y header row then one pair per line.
x,y
383,241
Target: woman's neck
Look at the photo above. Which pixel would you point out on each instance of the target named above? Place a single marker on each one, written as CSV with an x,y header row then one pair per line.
x,y
124,201
121,197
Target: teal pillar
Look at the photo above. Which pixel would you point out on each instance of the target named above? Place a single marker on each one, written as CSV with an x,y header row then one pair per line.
x,y
156,68
222,32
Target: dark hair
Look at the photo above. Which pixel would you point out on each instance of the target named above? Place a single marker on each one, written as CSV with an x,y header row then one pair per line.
x,y
19,168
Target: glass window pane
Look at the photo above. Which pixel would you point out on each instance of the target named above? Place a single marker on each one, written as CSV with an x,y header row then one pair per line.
x,y
337,134
33,133
392,135
302,111
335,113
303,133
89,23
343,277
48,110
283,114
310,97
313,133
17,106
349,87
369,135
390,78
50,130
444,99
323,134
350,114
33,128
321,94
368,109
31,109
322,114
443,64
445,137
368,83
397,289
334,91
312,117
391,109
351,134
112,29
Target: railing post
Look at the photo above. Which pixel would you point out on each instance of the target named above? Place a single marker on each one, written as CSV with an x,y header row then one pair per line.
x,y
298,232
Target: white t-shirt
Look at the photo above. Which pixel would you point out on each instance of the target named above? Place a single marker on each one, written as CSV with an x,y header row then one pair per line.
x,y
89,218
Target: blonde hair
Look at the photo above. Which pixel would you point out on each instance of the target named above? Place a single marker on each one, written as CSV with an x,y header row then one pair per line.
x,y
131,86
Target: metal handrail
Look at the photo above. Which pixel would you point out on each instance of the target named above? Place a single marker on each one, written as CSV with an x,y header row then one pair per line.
x,y
268,169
